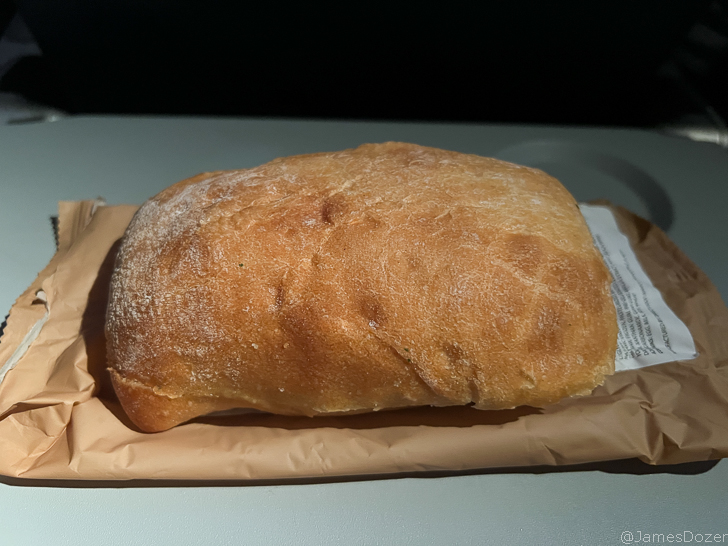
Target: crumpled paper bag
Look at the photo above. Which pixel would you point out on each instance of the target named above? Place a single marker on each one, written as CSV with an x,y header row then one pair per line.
x,y
59,417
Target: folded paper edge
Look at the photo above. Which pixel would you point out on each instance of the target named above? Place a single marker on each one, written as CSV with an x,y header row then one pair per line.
x,y
19,332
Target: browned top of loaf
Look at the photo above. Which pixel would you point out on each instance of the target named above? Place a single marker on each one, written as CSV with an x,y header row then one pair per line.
x,y
384,276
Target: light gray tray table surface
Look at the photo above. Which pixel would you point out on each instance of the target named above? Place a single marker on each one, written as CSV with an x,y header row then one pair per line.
x,y
128,159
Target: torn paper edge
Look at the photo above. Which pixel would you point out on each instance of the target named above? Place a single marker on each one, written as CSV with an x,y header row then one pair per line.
x,y
29,338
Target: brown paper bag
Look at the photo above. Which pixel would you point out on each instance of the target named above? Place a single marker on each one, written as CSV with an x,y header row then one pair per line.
x,y
59,417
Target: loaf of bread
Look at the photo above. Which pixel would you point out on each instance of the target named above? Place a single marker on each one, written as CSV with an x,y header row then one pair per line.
x,y
386,276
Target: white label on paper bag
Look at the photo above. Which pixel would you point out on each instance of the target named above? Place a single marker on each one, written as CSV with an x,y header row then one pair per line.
x,y
649,332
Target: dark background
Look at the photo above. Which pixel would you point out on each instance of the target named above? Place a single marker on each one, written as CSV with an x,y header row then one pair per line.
x,y
618,62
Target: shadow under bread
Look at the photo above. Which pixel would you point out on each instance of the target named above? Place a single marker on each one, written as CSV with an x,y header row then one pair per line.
x,y
453,416
93,322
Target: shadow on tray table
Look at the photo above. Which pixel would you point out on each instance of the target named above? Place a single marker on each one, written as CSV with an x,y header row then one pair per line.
x,y
626,466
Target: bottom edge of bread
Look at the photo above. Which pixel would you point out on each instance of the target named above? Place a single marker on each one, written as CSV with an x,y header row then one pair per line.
x,y
153,410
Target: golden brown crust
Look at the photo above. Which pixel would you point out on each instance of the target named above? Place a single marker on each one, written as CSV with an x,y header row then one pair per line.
x,y
387,276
